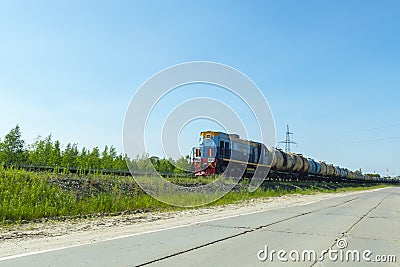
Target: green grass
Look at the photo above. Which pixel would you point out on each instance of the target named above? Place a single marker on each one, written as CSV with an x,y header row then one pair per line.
x,y
27,196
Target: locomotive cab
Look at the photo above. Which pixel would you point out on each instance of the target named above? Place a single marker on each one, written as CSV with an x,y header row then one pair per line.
x,y
205,156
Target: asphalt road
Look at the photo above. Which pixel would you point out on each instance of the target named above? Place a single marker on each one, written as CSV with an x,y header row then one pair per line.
x,y
366,224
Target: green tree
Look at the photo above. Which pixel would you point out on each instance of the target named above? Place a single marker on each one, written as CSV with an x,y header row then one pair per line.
x,y
155,161
142,163
70,155
45,152
107,157
83,159
40,151
166,166
120,162
12,149
183,164
94,158
55,154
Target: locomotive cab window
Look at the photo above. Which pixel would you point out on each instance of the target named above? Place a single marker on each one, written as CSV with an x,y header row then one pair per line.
x,y
227,151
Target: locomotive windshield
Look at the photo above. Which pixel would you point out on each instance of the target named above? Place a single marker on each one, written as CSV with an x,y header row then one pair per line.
x,y
209,148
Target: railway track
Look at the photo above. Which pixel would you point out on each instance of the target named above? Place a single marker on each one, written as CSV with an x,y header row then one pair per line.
x,y
273,175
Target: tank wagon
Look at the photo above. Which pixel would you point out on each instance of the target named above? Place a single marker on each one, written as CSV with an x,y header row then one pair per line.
x,y
218,149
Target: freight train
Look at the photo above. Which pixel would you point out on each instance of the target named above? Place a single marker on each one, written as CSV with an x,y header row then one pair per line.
x,y
218,150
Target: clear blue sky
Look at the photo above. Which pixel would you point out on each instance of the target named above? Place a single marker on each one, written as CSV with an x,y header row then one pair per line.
x,y
329,69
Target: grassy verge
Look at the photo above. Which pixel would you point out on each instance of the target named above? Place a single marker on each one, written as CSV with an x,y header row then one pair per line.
x,y
27,196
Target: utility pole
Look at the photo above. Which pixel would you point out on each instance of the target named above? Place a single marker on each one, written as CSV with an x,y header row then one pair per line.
x,y
287,142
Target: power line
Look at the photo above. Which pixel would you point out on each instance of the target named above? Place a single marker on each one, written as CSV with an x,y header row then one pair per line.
x,y
358,130
365,141
373,128
287,141
376,140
